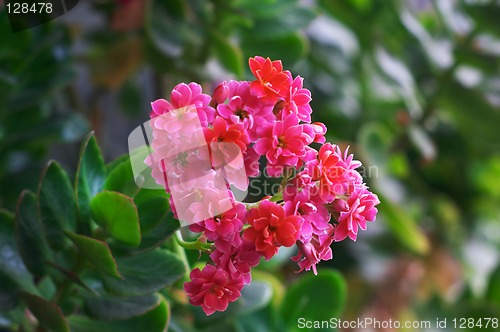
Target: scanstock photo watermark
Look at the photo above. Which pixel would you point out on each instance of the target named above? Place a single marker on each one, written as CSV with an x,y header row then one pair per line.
x,y
370,323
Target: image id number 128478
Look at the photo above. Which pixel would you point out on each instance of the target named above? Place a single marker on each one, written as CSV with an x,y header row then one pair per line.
x,y
25,7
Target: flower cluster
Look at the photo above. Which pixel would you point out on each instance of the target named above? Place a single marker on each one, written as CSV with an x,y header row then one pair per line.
x,y
205,144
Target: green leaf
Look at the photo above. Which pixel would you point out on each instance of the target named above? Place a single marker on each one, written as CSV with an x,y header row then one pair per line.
x,y
96,252
229,55
493,291
145,273
30,235
117,214
121,179
90,176
289,20
9,297
404,227
118,308
48,313
289,48
314,297
157,225
156,320
13,273
56,205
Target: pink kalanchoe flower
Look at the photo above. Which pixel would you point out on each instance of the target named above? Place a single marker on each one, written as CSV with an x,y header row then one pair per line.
x,y
297,101
243,107
354,213
330,170
212,289
271,228
223,229
310,208
311,253
283,143
252,163
238,261
185,95
229,133
271,81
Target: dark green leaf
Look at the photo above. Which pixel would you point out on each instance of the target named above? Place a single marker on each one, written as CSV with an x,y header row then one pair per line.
x,y
30,235
314,297
56,205
493,291
9,297
90,177
289,48
117,214
118,308
229,55
48,313
404,227
121,179
13,273
145,273
156,320
97,252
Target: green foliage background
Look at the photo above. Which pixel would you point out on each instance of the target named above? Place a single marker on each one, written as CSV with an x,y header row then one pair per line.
x,y
411,86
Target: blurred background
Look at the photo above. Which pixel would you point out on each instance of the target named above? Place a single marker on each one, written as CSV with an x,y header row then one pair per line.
x,y
412,86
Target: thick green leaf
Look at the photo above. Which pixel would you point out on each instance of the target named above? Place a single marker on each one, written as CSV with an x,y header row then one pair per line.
x,y
49,315
121,179
9,297
404,227
56,205
90,177
156,320
314,297
118,308
97,252
289,48
13,272
117,215
30,236
229,55
145,273
493,291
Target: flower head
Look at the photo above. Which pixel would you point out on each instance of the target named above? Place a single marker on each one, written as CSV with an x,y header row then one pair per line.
x,y
354,213
271,228
212,289
271,81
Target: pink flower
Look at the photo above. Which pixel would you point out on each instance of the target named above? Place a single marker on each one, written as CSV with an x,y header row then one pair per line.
x,y
297,101
229,133
283,143
244,108
185,95
271,81
355,212
224,229
238,261
271,228
330,170
311,253
212,289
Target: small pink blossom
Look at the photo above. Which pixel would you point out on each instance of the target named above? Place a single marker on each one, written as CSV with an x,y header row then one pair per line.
x,y
354,213
271,228
238,261
213,289
223,229
185,95
271,81
297,101
283,143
